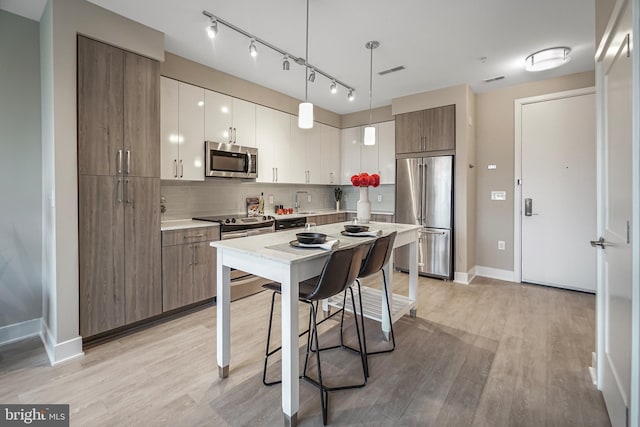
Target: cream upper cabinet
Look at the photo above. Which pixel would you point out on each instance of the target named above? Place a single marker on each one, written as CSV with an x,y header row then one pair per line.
x,y
379,158
229,119
329,156
244,123
273,135
298,152
350,142
182,129
218,111
386,142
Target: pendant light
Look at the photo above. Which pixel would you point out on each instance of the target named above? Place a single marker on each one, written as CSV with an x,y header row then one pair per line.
x,y
305,109
370,131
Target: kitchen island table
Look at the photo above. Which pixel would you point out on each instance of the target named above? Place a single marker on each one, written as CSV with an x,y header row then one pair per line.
x,y
271,256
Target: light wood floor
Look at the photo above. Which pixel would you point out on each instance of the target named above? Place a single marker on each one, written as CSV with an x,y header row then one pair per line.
x,y
488,354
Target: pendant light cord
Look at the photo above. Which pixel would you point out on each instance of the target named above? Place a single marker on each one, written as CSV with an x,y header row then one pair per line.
x,y
306,61
370,81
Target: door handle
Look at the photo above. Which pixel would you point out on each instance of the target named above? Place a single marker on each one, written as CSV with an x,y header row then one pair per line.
x,y
128,162
175,168
119,162
440,233
126,190
119,190
230,134
195,248
235,135
600,243
181,168
528,207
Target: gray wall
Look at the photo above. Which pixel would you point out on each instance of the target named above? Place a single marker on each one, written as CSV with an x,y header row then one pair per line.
x,y
20,171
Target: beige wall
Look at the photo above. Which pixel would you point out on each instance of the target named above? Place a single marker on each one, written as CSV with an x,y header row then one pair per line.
x,y
61,22
603,12
191,72
495,145
463,220
359,118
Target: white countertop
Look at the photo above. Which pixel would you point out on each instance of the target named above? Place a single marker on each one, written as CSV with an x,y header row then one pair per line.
x,y
262,245
316,212
179,224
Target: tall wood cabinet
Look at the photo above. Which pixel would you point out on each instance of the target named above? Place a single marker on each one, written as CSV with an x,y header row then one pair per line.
x,y
118,187
426,130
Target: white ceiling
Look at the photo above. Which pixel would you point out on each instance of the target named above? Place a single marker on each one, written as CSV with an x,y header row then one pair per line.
x,y
440,43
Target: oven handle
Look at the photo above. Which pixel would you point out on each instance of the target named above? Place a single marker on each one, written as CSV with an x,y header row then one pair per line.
x,y
234,235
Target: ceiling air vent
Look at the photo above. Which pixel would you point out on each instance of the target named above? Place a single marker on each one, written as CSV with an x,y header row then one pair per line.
x,y
493,79
391,70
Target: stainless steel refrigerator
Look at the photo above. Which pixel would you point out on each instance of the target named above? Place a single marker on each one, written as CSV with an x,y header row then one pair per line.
x,y
424,196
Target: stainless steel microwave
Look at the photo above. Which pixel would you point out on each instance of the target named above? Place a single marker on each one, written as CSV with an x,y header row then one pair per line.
x,y
230,160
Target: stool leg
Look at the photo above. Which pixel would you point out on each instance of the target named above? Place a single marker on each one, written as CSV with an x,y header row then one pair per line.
x,y
309,345
393,336
363,354
266,354
364,335
324,396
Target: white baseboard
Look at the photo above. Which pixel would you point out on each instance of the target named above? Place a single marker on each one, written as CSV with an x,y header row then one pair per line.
x,y
60,352
465,278
592,369
496,273
20,331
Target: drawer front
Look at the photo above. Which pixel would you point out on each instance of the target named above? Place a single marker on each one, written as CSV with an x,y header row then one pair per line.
x,y
190,235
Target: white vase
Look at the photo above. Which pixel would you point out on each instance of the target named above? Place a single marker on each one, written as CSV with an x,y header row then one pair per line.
x,y
337,205
364,206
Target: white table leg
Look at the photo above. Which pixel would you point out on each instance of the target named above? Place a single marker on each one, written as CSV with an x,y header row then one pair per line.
x,y
413,274
223,314
290,356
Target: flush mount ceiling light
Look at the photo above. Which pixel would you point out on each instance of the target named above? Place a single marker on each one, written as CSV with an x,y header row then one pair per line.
x,y
305,109
547,59
212,31
370,131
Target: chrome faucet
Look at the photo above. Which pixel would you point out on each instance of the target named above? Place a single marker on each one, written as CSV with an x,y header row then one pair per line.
x,y
297,203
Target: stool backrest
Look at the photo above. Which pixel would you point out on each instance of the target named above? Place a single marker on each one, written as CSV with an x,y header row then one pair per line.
x,y
378,255
340,271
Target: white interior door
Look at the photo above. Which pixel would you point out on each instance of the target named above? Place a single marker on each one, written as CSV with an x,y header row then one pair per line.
x,y
614,224
558,195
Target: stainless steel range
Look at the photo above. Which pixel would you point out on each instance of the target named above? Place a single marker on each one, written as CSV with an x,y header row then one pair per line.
x,y
233,227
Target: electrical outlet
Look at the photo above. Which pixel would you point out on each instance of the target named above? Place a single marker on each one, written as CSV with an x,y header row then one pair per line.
x,y
379,198
309,198
270,199
501,245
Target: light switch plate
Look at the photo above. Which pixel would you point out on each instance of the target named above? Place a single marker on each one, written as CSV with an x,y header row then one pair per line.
x,y
501,245
491,167
270,199
498,195
380,198
308,197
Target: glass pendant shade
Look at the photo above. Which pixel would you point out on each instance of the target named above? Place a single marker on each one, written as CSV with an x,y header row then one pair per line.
x,y
369,135
305,115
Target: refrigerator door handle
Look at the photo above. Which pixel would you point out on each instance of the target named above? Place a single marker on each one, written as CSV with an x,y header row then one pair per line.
x,y
440,233
422,189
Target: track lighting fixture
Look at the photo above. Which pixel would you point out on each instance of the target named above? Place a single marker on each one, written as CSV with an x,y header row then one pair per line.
x,y
212,30
350,96
311,71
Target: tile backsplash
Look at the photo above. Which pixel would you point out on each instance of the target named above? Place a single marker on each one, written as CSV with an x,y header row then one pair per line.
x,y
187,199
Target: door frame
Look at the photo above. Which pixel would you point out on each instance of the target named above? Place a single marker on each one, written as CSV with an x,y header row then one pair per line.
x,y
517,164
601,54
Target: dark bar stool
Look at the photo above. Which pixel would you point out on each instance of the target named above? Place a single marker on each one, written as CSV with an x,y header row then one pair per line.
x,y
338,273
377,257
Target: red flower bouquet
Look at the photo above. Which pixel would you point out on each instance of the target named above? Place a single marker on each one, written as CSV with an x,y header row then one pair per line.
x,y
365,180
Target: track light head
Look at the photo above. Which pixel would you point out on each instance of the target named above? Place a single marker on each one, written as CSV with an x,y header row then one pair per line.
x,y
312,76
285,63
212,30
334,87
350,96
253,50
